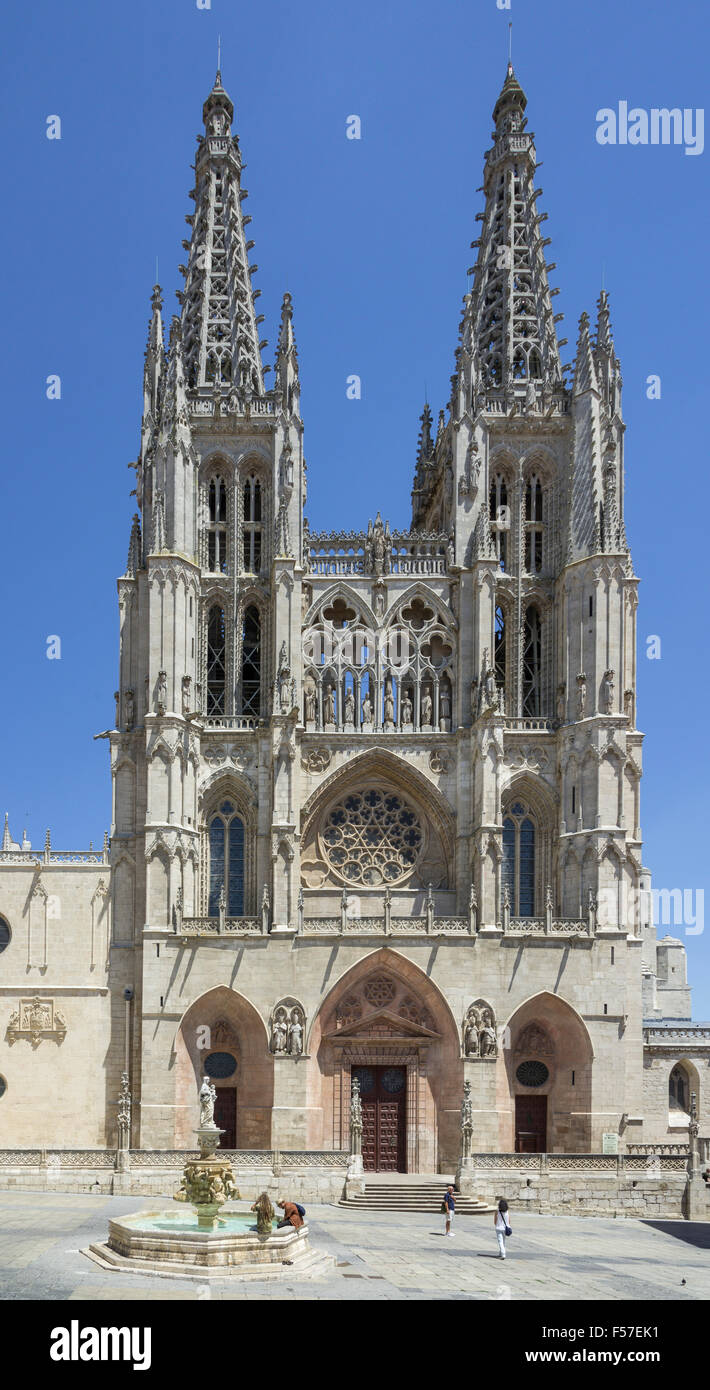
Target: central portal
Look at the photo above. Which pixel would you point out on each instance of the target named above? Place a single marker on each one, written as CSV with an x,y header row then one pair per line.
x,y
383,1092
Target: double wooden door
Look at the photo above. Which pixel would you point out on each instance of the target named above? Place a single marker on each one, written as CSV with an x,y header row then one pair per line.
x,y
530,1124
383,1092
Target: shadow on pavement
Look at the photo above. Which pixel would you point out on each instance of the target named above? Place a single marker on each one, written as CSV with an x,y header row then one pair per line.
x,y
692,1232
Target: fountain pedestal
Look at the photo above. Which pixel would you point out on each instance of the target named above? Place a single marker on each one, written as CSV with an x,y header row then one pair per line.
x,y
207,1182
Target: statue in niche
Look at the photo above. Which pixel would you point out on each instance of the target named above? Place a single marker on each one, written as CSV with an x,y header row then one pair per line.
x,y
426,708
162,693
329,706
561,702
607,700
208,1096
284,681
379,601
378,547
488,683
310,702
407,708
444,707
279,1031
349,708
487,1044
470,1033
389,703
129,703
629,704
117,698
581,695
367,709
295,1034
186,683
450,548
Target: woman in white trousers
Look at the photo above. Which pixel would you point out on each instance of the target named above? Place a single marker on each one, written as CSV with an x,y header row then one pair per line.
x,y
501,1221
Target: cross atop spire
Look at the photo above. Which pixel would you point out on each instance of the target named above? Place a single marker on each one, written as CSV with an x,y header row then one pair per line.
x,y
219,323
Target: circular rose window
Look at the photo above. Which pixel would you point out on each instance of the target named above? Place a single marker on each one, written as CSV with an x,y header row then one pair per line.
x,y
532,1074
372,838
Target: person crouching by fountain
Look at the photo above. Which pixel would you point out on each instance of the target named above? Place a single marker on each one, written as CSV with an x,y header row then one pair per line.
x,y
264,1214
293,1215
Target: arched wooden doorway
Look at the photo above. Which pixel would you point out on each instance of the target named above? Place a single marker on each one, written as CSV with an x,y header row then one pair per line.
x,y
224,1037
549,1076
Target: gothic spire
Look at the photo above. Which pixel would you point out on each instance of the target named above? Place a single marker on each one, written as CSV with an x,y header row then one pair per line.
x,y
133,563
425,461
219,323
154,357
286,362
508,330
6,836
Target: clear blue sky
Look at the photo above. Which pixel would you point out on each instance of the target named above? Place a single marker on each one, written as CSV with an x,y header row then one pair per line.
x,y
372,239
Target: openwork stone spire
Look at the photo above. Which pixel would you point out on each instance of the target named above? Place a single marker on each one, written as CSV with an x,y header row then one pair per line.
x,y
509,325
219,325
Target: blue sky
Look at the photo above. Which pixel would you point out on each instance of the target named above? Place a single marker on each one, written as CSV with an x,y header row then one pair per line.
x,y
372,239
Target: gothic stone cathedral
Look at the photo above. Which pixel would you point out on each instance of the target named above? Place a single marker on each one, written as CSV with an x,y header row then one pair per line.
x,y
376,793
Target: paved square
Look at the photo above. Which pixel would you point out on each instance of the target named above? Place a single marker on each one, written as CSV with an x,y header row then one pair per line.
x,y
379,1255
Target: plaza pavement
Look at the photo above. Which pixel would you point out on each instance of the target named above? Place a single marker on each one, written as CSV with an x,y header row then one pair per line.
x,y
379,1255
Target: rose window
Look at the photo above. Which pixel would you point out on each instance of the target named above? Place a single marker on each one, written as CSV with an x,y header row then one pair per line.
x,y
372,837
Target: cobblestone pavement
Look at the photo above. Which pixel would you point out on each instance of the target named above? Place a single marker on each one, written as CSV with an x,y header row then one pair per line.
x,y
379,1255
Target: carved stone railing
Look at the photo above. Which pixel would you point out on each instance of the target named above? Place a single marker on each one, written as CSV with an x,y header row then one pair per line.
x,y
407,553
398,926
687,1035
229,721
610,1163
528,725
78,858
542,926
234,406
212,926
651,1149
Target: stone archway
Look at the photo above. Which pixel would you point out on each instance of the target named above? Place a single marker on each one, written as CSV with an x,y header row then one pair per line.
x,y
385,1015
545,1090
222,1022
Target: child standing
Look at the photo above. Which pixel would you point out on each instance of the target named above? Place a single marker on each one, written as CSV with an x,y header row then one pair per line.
x,y
502,1226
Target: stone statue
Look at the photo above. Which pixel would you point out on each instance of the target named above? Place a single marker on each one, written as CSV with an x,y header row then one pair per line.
x,y
129,703
487,1035
162,693
117,698
426,707
124,1113
264,1214
208,1096
389,702
186,683
629,704
491,689
470,1036
581,695
310,699
561,702
329,705
407,709
608,692
367,709
444,706
349,708
279,1031
295,1034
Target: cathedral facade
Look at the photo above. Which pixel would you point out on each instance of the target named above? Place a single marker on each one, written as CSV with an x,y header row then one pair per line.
x,y
376,806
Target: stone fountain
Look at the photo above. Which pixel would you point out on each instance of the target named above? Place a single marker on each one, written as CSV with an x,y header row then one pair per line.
x,y
208,1182
216,1240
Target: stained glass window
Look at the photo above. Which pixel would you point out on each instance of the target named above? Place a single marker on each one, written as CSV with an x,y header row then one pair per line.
x,y
226,838
518,870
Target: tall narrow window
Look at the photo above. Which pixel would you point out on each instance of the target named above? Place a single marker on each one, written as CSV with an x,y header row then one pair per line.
x,y
217,526
499,655
251,526
216,662
251,662
532,662
500,517
519,861
533,526
226,836
678,1090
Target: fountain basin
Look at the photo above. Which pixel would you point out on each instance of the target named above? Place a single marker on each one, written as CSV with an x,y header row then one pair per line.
x,y
172,1244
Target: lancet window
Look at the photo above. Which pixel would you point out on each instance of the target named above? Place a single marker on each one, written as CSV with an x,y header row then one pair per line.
x,y
217,529
532,663
252,526
251,661
216,661
500,517
226,861
518,870
533,526
678,1090
500,654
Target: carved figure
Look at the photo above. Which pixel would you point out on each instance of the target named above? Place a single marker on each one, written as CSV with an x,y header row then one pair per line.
x,y
389,702
581,695
295,1034
130,708
186,683
607,692
561,702
162,692
349,708
279,1031
367,709
470,1036
444,706
329,705
117,698
426,707
629,704
407,709
310,699
208,1096
487,1043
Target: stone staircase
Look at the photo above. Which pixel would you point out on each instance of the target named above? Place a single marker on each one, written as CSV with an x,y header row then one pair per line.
x,y
401,1192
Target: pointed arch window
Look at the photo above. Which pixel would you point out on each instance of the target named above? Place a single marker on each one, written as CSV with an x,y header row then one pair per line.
x,y
216,661
251,661
533,526
519,860
217,526
226,845
532,663
252,526
678,1098
500,517
499,658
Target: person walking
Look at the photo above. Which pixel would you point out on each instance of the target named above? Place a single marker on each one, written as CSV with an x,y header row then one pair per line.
x,y
448,1207
502,1226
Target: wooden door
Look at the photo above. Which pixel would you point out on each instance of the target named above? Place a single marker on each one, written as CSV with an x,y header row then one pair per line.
x,y
383,1091
225,1116
530,1124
